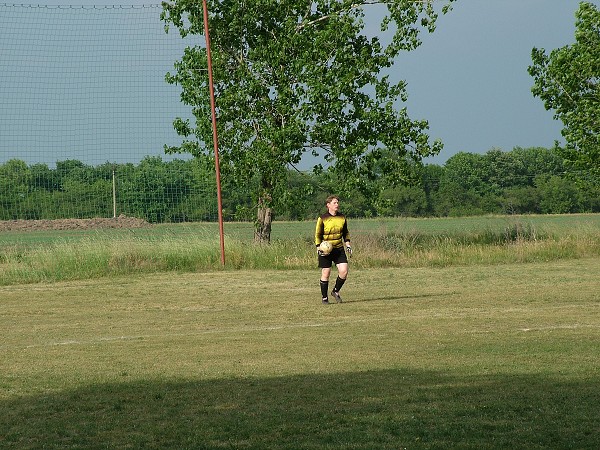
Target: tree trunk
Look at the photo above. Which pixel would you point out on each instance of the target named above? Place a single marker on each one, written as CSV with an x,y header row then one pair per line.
x,y
262,233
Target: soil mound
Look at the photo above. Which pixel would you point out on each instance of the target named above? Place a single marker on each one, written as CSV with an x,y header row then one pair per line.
x,y
72,224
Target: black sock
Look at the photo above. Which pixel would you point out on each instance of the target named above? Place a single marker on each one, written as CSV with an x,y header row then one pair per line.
x,y
324,288
338,284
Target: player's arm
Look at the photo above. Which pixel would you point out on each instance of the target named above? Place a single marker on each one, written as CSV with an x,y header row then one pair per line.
x,y
346,237
319,231
345,232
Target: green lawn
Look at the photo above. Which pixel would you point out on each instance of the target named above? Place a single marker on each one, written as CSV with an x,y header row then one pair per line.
x,y
483,356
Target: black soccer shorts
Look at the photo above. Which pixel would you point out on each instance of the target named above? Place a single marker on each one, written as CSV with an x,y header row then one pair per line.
x,y
337,256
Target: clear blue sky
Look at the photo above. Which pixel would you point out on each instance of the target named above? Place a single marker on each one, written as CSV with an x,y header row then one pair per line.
x,y
469,78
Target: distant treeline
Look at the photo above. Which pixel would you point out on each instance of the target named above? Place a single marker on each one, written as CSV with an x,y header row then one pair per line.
x,y
522,181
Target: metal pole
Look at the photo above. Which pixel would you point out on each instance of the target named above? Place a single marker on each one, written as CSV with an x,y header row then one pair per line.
x,y
214,129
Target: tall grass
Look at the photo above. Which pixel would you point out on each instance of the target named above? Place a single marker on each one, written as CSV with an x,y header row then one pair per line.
x,y
515,243
100,255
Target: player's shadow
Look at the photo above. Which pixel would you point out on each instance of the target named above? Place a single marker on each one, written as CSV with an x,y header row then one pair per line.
x,y
393,298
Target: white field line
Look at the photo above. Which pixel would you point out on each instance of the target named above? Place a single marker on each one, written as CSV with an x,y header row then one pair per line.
x,y
559,327
229,330
237,330
140,337
445,314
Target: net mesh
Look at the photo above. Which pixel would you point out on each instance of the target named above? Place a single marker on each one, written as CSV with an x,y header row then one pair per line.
x,y
85,114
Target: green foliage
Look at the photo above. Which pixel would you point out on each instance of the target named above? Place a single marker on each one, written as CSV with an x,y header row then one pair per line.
x,y
299,76
567,81
403,201
558,196
154,190
521,200
500,182
532,180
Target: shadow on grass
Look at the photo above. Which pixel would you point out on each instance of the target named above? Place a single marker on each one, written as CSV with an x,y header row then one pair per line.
x,y
396,297
389,409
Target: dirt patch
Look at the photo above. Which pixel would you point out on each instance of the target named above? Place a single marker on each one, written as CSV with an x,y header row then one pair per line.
x,y
72,224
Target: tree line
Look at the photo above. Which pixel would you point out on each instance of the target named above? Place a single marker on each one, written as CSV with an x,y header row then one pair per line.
x,y
522,181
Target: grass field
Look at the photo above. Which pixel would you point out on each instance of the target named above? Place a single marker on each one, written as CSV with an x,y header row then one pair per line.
x,y
465,355
243,231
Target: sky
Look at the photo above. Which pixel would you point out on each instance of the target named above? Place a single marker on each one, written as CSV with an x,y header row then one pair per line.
x,y
469,79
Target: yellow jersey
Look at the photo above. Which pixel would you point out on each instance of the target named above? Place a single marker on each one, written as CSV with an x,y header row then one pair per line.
x,y
333,229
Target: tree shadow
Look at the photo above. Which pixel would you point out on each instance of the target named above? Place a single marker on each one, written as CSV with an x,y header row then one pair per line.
x,y
387,409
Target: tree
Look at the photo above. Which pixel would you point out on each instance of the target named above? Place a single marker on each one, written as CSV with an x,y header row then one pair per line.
x,y
521,200
300,76
407,201
431,176
15,182
501,170
468,171
536,161
558,195
568,81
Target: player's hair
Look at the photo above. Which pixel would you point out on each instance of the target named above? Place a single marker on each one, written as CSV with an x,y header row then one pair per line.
x,y
331,198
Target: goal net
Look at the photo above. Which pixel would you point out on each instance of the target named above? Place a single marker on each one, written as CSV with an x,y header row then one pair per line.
x,y
85,113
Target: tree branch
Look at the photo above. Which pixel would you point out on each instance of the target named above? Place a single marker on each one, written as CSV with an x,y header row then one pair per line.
x,y
303,25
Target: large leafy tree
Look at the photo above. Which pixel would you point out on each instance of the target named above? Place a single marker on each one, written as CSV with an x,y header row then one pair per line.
x,y
568,81
300,76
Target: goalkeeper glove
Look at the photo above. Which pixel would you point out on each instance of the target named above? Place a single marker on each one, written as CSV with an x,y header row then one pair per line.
x,y
349,250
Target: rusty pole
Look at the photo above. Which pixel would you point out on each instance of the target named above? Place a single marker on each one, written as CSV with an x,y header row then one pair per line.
x,y
215,136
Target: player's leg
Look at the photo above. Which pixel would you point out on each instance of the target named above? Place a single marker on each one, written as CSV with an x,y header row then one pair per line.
x,y
342,270
324,282
339,282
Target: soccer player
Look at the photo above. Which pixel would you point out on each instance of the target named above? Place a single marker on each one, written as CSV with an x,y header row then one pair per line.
x,y
333,227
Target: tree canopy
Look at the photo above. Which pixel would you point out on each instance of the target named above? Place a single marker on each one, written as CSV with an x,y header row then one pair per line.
x,y
299,76
568,81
